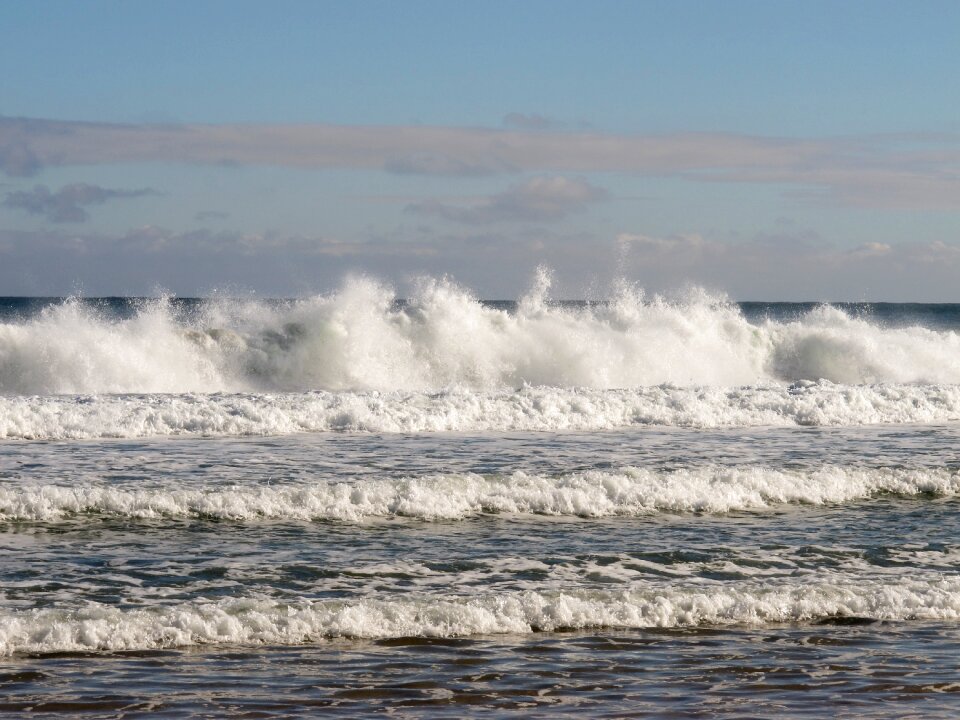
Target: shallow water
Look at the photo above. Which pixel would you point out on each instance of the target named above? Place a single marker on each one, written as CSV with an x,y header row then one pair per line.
x,y
789,547
877,670
739,611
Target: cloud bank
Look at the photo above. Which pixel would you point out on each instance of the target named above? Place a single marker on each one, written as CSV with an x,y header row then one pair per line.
x,y
496,265
920,172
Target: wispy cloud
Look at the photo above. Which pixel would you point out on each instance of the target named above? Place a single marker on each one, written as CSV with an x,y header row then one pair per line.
x,y
539,199
69,203
449,164
890,171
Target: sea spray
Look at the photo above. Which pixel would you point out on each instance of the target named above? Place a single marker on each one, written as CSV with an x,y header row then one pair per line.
x,y
362,338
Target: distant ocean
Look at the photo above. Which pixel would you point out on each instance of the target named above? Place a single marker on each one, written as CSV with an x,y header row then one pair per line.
x,y
444,506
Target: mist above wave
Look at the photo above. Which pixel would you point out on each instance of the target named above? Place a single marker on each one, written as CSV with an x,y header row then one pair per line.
x,y
360,338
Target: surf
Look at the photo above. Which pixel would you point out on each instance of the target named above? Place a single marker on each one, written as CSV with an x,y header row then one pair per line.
x,y
252,621
626,492
363,338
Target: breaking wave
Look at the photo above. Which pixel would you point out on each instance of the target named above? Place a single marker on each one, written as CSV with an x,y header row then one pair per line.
x,y
262,621
362,339
625,492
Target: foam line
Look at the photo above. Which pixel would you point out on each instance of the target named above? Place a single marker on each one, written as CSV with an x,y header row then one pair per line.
x,y
464,410
626,492
253,621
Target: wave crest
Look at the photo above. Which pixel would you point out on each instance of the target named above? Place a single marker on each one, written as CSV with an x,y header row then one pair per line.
x,y
362,338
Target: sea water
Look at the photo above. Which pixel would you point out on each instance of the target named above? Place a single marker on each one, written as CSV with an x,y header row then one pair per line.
x,y
354,503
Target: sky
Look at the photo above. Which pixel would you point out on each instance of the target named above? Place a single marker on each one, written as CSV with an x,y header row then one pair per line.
x,y
767,150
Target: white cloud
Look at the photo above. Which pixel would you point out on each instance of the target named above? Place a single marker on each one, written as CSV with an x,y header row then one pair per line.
x,y
871,249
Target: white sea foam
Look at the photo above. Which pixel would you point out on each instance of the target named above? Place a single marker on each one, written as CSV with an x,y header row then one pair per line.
x,y
360,339
255,621
464,410
628,491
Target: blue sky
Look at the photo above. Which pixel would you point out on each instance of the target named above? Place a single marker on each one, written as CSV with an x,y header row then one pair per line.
x,y
795,150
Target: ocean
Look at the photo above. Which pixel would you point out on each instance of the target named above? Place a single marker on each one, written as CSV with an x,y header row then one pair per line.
x,y
441,506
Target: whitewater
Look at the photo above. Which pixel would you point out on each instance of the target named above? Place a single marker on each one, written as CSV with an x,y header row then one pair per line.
x,y
629,491
373,501
441,360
